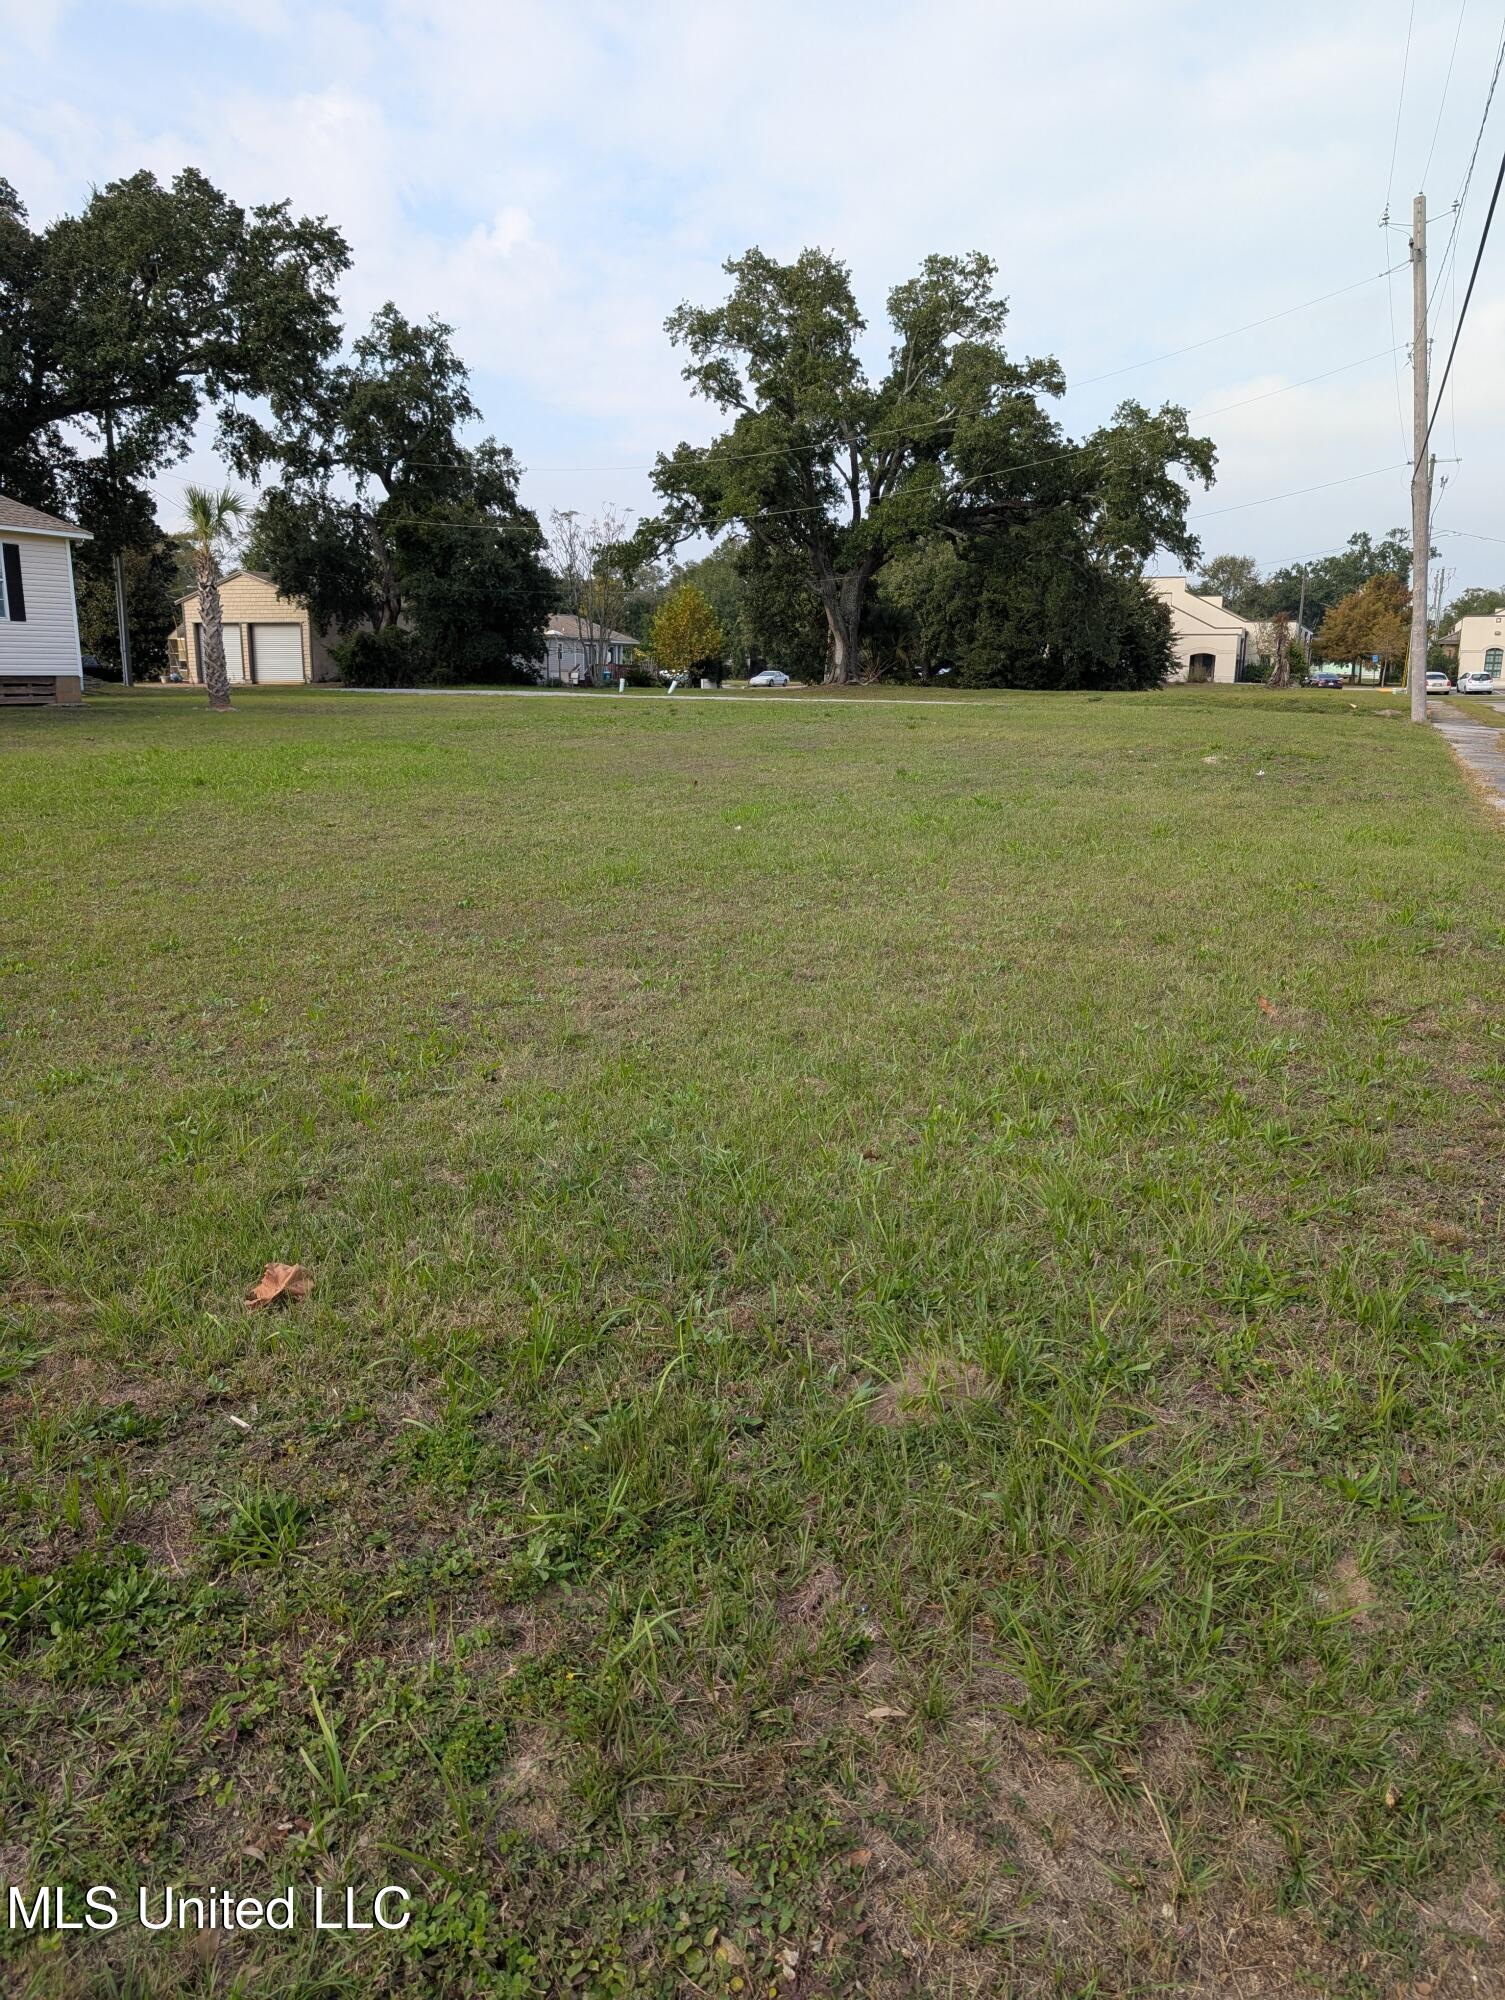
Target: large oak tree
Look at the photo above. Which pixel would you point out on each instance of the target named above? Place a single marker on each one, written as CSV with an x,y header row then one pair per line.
x,y
830,471
133,313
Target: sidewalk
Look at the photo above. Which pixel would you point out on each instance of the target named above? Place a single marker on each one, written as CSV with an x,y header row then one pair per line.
x,y
1480,749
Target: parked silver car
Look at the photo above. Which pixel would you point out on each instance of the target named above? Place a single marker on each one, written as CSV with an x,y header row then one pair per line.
x,y
769,678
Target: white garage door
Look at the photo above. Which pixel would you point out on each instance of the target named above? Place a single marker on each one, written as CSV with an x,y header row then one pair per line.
x,y
277,652
234,665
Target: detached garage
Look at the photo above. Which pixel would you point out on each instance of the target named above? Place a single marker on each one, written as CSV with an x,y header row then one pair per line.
x,y
39,656
270,641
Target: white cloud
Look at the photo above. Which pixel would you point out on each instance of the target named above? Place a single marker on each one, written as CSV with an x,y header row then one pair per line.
x,y
552,180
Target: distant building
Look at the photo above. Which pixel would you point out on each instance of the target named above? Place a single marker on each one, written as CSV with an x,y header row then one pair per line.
x,y
1212,643
574,649
270,640
1480,643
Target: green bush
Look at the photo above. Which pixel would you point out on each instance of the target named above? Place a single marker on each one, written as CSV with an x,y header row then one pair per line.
x,y
387,658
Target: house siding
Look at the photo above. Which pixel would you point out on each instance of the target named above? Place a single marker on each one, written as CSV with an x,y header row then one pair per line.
x,y
247,600
45,642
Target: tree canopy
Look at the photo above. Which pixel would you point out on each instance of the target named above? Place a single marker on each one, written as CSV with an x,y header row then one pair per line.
x,y
686,632
1254,593
1479,602
150,302
384,516
1375,618
830,473
1236,579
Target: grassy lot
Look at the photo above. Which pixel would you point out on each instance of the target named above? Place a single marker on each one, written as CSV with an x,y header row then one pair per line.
x,y
904,1386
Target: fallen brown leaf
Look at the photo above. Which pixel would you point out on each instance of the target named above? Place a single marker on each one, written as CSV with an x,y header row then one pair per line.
x,y
1266,1006
280,1282
885,1714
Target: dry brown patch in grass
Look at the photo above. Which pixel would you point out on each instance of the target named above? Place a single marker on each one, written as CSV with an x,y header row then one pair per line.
x,y
1089,1890
1351,1591
1448,1234
1168,1757
1477,1910
808,1604
532,1789
169,1531
929,1384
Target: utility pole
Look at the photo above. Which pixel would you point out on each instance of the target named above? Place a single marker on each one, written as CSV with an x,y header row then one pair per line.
x,y
1301,613
1421,471
118,563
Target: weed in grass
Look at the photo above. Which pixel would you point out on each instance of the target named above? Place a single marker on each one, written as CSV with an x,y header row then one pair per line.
x,y
260,1528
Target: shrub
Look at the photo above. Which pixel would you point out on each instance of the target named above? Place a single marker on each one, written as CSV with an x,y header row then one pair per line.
x,y
386,658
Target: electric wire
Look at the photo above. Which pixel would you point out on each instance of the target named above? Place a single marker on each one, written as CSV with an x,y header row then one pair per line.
x,y
1467,295
1446,81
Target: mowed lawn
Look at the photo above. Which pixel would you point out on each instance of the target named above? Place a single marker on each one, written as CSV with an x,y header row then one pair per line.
x,y
904,1389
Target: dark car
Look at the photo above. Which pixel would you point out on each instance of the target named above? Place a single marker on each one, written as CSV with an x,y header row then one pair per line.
x,y
1326,680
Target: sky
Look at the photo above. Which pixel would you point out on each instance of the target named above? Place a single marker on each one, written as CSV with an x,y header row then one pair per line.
x,y
554,179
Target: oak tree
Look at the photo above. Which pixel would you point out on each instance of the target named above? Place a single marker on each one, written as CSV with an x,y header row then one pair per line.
x,y
830,471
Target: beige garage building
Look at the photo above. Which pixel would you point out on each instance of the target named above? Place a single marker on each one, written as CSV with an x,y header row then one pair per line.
x,y
270,640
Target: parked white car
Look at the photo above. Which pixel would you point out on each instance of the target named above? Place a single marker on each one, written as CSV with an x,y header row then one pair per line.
x,y
1438,682
1476,681
769,678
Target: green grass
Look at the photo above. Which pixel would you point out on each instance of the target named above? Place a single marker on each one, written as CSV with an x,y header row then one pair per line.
x,y
904,1386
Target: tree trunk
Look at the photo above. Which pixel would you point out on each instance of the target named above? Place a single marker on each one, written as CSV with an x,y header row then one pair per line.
x,y
216,679
1280,673
842,598
391,596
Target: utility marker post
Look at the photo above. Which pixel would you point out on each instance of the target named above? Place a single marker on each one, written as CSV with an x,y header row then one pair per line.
x,y
122,627
1421,482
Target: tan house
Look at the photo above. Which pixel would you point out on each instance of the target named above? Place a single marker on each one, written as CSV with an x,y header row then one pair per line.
x,y
1210,642
1481,643
270,640
39,654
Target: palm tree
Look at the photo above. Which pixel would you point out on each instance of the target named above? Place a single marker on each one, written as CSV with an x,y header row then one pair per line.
x,y
210,517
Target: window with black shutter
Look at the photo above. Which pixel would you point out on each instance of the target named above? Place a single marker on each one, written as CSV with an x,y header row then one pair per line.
x,y
15,595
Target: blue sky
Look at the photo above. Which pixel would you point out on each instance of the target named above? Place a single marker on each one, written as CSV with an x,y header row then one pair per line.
x,y
554,179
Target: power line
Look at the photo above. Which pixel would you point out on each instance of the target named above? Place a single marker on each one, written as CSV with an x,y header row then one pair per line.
x,y
1248,327
1395,350
1023,465
1342,369
1468,294
1399,107
1460,201
931,423
1453,57
1207,513
1385,219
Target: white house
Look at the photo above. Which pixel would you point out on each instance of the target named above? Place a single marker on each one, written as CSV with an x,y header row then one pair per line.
x,y
575,648
39,652
1210,642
